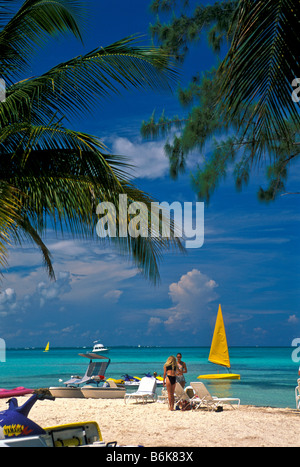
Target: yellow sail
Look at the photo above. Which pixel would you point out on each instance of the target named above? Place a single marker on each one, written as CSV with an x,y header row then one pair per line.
x,y
47,347
219,349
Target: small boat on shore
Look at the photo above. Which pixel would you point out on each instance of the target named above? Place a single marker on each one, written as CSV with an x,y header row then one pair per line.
x,y
16,392
89,385
103,392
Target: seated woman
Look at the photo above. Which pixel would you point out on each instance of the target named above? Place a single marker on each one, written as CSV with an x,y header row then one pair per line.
x,y
170,368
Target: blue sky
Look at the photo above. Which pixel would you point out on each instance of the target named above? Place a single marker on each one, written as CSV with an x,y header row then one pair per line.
x,y
249,262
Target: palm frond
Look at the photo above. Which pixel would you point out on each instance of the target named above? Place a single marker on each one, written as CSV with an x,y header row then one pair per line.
x,y
75,87
61,176
9,216
260,67
30,26
5,12
23,228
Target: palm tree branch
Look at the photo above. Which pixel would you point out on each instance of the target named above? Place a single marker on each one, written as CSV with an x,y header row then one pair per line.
x,y
75,86
261,65
31,25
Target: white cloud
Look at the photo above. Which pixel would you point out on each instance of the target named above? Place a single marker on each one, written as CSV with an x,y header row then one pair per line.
x,y
191,297
54,290
293,319
113,295
8,301
148,158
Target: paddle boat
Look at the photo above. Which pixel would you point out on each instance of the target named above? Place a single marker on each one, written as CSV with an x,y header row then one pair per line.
x,y
89,385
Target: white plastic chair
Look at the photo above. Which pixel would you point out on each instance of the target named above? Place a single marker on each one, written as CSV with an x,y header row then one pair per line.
x,y
204,398
146,391
297,396
181,395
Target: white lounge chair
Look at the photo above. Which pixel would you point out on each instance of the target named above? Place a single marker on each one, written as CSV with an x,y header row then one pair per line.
x,y
146,391
181,395
203,398
163,397
297,396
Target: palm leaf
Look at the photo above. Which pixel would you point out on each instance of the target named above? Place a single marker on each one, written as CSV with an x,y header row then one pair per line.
x,y
35,21
61,176
23,229
77,85
9,217
260,67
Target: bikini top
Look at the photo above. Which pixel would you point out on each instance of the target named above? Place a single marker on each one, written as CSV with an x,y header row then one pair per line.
x,y
171,367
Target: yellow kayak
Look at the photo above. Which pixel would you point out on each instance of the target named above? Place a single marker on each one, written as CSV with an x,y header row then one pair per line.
x,y
220,376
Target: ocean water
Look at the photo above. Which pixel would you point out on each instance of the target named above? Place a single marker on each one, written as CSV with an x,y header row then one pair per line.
x,y
268,375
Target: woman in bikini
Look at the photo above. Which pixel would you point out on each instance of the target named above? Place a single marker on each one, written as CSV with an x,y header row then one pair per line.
x,y
181,369
170,368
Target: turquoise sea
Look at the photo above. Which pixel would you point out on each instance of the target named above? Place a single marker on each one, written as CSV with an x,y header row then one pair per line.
x,y
268,375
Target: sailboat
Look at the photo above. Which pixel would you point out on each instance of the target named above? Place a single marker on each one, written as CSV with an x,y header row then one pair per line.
x,y
47,347
219,353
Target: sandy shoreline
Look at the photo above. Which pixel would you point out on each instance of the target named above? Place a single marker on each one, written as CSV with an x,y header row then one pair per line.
x,y
153,425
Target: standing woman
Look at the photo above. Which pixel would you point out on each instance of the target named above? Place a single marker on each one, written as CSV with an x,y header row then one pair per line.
x,y
170,368
181,369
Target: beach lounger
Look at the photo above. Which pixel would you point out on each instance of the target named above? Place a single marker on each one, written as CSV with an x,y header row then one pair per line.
x,y
163,397
203,398
297,396
181,396
146,391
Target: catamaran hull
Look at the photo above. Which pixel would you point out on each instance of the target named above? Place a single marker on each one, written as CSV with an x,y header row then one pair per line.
x,y
220,376
87,393
66,392
103,393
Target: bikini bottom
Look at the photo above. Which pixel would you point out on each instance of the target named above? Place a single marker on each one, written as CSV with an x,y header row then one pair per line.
x,y
172,379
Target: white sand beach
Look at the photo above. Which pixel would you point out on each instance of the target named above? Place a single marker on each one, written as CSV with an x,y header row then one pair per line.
x,y
153,425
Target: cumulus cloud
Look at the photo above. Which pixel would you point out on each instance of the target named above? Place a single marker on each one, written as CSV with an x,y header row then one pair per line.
x,y
52,291
191,297
113,295
293,319
148,158
8,302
